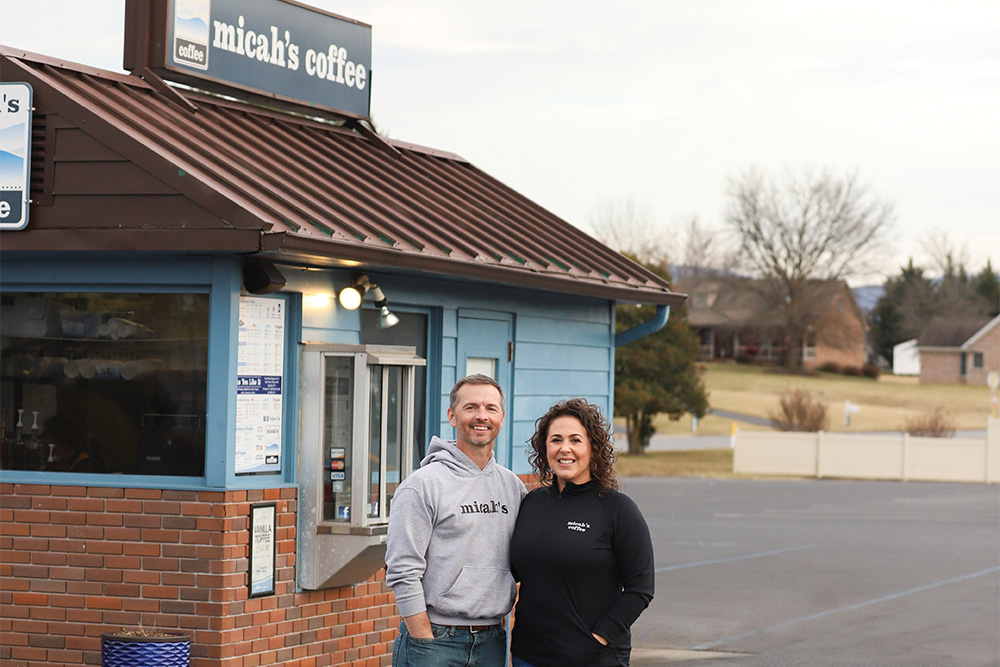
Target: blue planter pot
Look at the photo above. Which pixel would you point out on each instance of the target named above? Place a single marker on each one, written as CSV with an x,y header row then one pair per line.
x,y
173,650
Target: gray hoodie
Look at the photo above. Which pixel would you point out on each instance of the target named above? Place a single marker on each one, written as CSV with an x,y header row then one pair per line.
x,y
449,538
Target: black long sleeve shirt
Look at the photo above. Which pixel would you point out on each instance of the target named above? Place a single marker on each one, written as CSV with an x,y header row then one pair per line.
x,y
585,563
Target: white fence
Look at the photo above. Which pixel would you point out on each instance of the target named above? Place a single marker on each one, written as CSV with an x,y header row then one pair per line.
x,y
853,456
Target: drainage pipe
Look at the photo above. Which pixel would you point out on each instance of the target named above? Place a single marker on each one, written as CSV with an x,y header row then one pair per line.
x,y
644,329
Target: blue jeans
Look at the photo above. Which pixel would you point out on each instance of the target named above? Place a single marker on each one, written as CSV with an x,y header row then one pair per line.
x,y
517,662
451,647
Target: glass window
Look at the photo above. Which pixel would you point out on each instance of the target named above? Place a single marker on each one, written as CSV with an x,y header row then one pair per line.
x,y
338,421
977,360
104,382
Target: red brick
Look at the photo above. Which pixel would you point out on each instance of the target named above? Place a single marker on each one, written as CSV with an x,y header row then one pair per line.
x,y
85,532
48,586
29,626
96,602
141,521
47,530
32,489
47,614
161,507
86,505
105,492
68,546
69,601
153,535
105,575
48,559
138,604
68,573
196,509
123,506
144,494
141,549
48,503
140,577
33,516
68,518
118,534
71,491
15,502
86,560
123,562
104,519
160,592
102,547
85,587
29,571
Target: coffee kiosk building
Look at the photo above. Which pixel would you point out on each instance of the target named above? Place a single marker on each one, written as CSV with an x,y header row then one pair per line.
x,y
199,432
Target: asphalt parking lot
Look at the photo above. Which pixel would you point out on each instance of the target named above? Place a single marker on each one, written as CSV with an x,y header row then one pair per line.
x,y
820,573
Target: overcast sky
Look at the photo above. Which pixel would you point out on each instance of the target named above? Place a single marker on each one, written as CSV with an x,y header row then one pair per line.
x,y
661,102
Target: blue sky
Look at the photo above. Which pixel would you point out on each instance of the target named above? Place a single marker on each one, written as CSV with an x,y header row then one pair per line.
x,y
660,102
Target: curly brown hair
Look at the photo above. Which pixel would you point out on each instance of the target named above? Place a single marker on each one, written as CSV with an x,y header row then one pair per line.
x,y
602,449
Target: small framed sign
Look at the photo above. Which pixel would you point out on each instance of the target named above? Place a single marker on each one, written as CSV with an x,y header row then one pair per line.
x,y
262,549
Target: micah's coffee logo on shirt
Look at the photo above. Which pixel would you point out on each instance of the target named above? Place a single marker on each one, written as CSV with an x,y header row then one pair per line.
x,y
578,526
492,507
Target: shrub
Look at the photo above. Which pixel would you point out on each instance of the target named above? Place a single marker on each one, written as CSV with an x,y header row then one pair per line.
x,y
935,424
798,411
871,371
853,371
830,367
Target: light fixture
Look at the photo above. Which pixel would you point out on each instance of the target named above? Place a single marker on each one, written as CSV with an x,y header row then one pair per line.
x,y
351,296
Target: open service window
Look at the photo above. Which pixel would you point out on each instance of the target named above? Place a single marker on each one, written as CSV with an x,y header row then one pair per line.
x,y
357,441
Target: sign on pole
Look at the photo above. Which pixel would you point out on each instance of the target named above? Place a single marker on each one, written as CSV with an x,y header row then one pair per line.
x,y
15,154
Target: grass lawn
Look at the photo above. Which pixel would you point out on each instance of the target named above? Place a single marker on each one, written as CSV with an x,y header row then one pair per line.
x,y
694,463
885,404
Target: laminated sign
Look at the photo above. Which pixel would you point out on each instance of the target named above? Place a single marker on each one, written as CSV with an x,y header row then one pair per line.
x,y
15,154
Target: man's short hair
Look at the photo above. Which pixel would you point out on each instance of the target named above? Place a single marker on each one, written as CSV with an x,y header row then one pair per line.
x,y
478,378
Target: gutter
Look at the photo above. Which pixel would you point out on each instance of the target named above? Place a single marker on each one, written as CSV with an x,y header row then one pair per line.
x,y
638,331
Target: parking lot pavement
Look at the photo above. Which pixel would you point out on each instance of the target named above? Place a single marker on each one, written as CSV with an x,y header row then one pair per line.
x,y
820,573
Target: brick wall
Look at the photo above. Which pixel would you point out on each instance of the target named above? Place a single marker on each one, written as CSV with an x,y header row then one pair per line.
x,y
940,367
76,562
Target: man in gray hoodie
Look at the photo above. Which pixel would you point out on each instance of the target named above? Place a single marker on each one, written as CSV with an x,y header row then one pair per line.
x,y
447,554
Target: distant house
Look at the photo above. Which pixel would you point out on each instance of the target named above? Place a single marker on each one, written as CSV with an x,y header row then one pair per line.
x,y
906,358
959,350
735,319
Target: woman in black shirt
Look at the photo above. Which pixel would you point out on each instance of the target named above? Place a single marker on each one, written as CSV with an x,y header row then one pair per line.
x,y
580,549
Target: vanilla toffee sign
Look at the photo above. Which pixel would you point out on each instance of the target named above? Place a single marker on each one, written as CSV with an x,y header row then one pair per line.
x,y
278,48
15,154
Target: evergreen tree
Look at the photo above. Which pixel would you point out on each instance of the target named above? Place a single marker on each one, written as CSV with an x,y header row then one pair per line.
x,y
657,373
987,286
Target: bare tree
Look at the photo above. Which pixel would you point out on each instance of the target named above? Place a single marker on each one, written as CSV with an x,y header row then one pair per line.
x,y
699,248
812,229
946,258
628,227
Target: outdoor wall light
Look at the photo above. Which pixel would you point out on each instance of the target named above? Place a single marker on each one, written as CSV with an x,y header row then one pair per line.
x,y
351,296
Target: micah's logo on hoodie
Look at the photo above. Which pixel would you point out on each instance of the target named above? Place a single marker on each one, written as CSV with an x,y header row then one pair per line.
x,y
492,507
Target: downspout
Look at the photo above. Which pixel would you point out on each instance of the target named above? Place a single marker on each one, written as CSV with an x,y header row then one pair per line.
x,y
644,329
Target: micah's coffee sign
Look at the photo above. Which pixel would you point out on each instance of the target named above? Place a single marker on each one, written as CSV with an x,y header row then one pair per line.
x,y
15,154
277,48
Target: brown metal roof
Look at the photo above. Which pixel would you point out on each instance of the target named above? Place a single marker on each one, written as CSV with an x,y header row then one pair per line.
x,y
314,192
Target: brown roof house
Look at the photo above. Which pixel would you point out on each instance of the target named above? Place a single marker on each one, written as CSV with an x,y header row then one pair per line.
x,y
740,318
959,350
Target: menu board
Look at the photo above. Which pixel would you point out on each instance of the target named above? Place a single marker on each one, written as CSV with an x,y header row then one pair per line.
x,y
259,386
